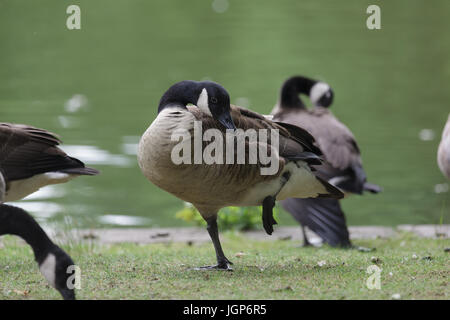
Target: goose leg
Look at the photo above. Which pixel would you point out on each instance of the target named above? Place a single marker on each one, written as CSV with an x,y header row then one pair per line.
x,y
269,203
222,262
306,242
267,215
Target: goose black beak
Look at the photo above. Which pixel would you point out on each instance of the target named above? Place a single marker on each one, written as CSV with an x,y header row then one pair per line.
x,y
226,120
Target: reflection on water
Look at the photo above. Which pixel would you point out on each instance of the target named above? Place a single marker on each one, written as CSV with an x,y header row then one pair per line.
x,y
441,188
76,103
130,145
95,156
98,88
39,203
426,135
40,209
122,220
220,6
49,192
68,121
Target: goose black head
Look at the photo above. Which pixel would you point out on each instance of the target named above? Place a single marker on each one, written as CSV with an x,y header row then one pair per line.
x,y
58,268
208,96
321,95
215,101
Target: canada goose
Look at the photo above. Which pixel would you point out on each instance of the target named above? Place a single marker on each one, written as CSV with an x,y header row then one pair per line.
x,y
444,150
210,187
53,262
30,159
343,166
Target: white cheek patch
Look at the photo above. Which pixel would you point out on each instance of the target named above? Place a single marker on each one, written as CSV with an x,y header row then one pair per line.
x,y
202,102
317,91
48,268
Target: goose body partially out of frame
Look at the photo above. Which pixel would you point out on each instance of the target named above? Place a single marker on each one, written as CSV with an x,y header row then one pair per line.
x,y
210,187
54,263
29,160
443,157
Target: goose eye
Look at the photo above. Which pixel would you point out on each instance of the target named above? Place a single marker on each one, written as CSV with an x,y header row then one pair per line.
x,y
213,99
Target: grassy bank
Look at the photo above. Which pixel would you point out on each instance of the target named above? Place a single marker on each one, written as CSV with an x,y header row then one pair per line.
x,y
412,267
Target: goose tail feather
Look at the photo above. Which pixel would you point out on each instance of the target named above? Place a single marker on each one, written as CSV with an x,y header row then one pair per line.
x,y
332,191
85,171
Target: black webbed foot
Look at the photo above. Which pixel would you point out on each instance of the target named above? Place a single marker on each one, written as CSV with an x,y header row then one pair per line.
x,y
267,214
225,266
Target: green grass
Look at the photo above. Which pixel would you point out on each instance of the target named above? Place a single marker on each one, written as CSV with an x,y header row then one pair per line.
x,y
266,270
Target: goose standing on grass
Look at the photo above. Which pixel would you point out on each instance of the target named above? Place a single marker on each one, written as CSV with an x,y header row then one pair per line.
x,y
443,157
342,167
29,160
210,187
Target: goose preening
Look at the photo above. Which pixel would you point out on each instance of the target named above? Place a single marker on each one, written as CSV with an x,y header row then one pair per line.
x,y
342,167
210,187
443,157
30,159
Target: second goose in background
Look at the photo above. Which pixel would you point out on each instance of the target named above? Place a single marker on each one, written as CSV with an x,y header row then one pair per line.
x,y
342,167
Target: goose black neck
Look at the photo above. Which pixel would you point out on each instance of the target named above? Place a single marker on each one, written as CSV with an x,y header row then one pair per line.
x,y
180,94
291,90
17,222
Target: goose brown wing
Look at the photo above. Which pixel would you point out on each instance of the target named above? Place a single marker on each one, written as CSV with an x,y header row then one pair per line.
x,y
294,143
26,151
293,139
334,138
337,144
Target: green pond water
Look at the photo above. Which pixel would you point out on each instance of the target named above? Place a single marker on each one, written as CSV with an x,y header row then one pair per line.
x,y
99,87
